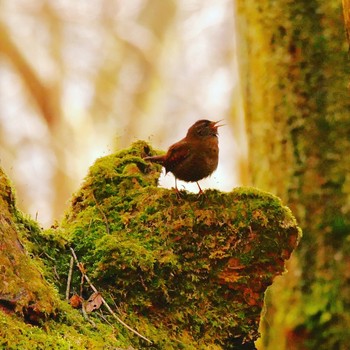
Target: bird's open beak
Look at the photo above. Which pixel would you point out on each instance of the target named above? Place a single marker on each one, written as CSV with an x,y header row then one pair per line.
x,y
215,125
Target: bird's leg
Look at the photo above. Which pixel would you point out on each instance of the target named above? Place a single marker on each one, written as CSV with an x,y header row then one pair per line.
x,y
176,189
200,190
178,193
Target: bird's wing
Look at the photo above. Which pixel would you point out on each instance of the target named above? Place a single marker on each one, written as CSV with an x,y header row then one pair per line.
x,y
176,154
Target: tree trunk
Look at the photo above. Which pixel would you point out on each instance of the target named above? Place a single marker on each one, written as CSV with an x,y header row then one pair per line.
x,y
346,11
295,73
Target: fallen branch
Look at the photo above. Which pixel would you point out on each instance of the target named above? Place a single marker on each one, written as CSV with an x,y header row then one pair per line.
x,y
104,301
69,279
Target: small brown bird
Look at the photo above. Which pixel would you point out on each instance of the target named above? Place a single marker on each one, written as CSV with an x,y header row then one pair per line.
x,y
194,157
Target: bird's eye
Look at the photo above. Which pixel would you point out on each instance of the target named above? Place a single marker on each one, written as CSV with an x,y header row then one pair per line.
x,y
201,130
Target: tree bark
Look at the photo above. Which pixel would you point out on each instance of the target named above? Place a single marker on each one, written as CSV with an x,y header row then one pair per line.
x,y
346,11
294,79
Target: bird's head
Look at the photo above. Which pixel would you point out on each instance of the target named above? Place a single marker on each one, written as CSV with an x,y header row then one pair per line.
x,y
203,127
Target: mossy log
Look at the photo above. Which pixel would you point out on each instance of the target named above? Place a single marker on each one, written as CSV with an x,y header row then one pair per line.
x,y
188,271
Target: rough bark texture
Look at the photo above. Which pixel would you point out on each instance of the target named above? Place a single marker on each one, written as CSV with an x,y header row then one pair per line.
x,y
187,273
346,11
295,75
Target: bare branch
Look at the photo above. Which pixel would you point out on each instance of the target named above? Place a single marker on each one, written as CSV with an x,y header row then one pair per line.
x,y
41,94
69,279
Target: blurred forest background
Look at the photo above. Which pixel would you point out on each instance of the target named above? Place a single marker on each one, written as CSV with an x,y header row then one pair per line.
x,y
79,79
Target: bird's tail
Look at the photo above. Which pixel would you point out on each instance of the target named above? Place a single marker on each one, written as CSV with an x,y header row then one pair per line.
x,y
156,159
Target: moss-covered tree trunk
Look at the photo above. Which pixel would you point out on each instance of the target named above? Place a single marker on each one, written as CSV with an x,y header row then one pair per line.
x,y
346,11
295,74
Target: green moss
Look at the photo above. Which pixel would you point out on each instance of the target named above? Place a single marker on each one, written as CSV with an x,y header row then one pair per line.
x,y
22,286
32,316
71,331
187,272
193,268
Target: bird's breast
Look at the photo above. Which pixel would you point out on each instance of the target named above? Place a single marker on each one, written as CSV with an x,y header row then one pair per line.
x,y
202,161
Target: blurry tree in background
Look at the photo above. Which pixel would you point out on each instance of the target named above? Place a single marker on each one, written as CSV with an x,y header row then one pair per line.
x,y
79,78
346,12
295,72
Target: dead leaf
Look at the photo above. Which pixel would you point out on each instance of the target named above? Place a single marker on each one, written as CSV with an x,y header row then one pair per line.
x,y
94,302
76,301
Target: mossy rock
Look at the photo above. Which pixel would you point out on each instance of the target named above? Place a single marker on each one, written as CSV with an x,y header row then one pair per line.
x,y
189,271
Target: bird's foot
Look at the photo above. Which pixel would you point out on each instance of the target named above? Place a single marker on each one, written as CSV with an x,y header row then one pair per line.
x,y
177,192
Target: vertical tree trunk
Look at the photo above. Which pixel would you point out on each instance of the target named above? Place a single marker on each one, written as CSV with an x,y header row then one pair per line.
x,y
295,73
346,11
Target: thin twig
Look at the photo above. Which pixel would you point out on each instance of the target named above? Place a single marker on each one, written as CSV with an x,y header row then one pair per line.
x,y
104,301
115,304
86,316
81,280
101,315
69,279
48,256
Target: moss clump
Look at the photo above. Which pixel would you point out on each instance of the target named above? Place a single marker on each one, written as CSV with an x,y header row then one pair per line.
x,y
69,331
187,272
22,287
32,316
